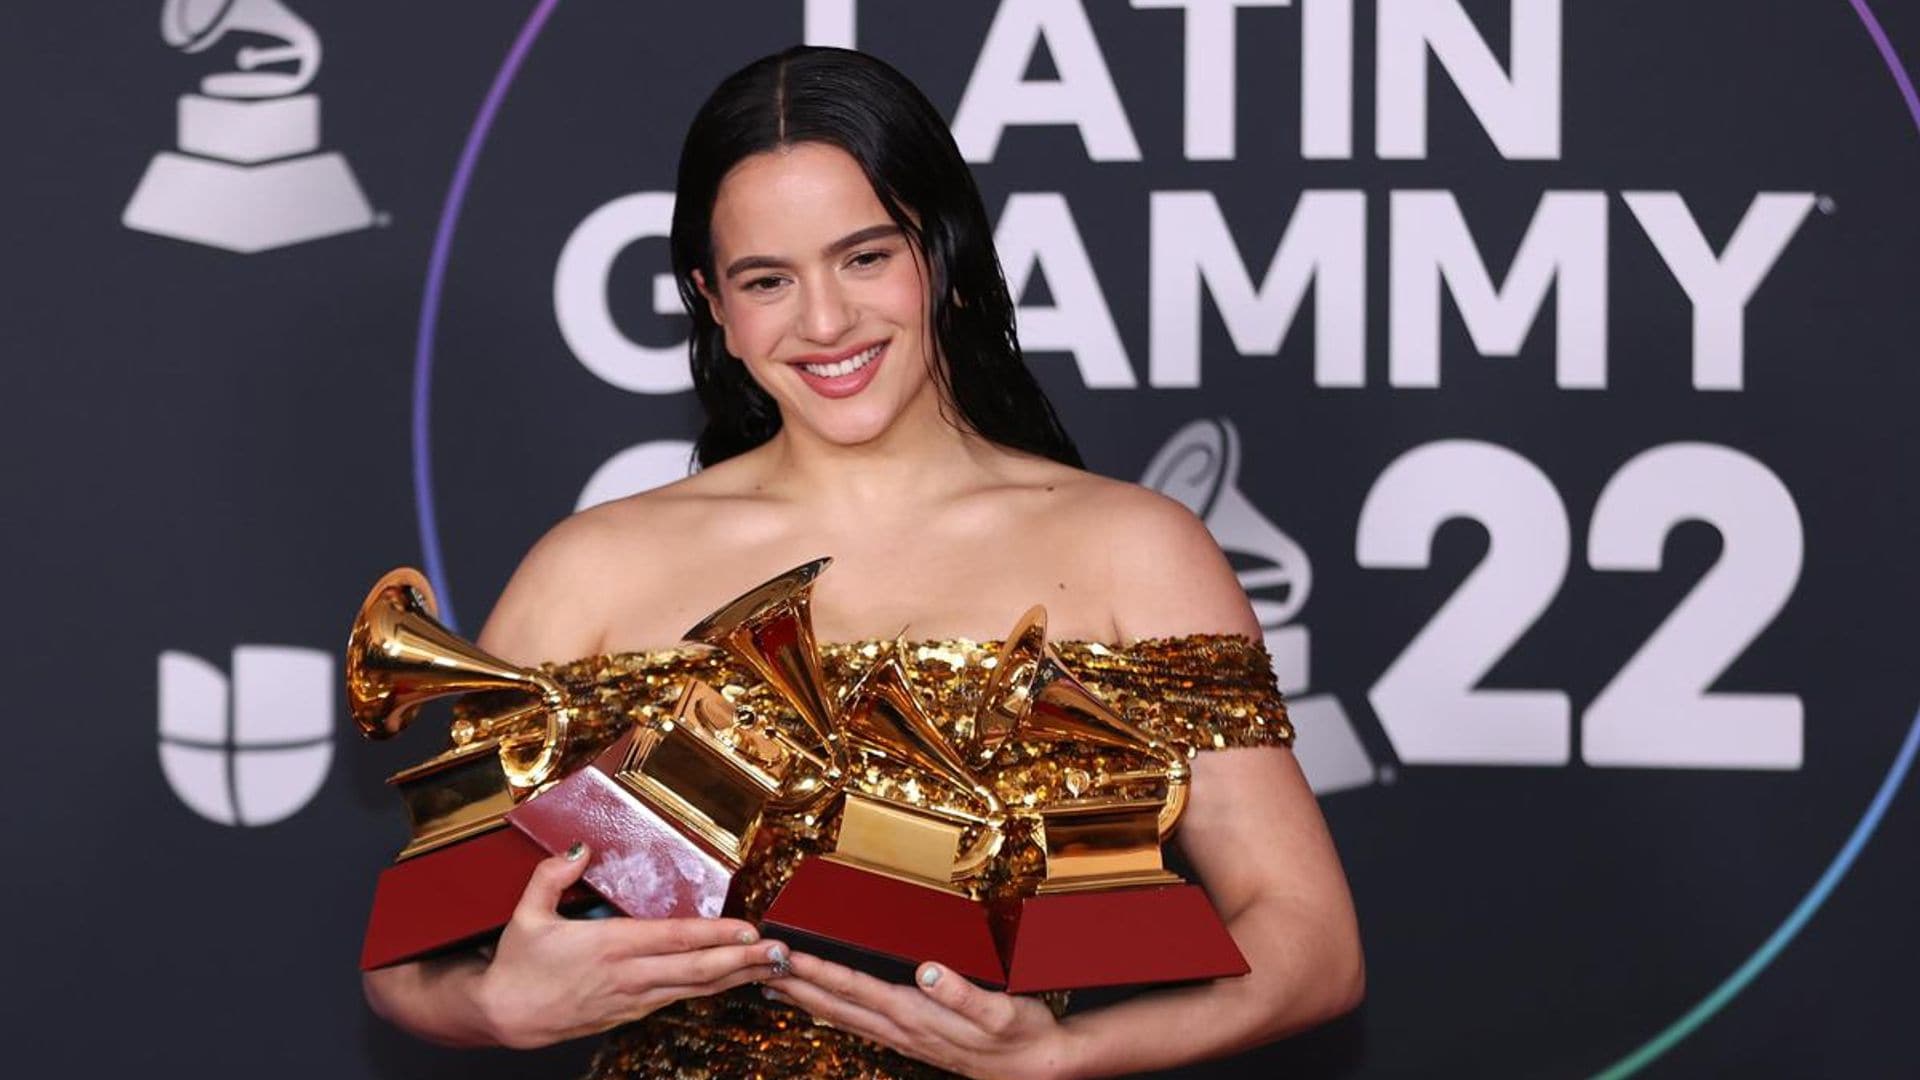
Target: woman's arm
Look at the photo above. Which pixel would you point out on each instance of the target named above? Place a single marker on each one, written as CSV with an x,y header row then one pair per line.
x,y
1252,832
434,1000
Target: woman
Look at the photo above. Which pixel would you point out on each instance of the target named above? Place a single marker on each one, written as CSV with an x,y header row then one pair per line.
x,y
853,346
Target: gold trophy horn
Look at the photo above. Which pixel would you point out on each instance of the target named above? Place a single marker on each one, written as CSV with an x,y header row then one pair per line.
x,y
769,630
1095,842
884,715
1033,694
917,828
400,657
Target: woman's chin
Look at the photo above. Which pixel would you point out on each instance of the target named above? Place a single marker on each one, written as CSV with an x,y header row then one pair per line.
x,y
848,437
853,425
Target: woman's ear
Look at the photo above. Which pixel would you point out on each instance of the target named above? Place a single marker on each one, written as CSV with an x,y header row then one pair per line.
x,y
713,302
714,308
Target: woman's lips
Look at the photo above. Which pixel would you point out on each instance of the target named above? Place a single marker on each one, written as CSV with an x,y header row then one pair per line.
x,y
847,385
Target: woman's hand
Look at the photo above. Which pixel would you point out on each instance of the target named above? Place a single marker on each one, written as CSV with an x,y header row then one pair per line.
x,y
553,978
943,1019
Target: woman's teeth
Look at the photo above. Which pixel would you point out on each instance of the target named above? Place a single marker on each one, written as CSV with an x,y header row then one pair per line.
x,y
844,367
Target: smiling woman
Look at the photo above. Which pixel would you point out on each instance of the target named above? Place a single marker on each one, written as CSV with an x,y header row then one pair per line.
x,y
821,297
854,349
778,144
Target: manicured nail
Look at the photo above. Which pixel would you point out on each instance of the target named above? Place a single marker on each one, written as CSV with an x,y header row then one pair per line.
x,y
777,956
771,994
578,849
746,937
929,975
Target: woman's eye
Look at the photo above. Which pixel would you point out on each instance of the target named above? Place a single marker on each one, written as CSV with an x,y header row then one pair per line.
x,y
764,284
869,259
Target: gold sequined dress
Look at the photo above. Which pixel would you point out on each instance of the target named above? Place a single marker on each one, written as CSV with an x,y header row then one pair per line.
x,y
1199,691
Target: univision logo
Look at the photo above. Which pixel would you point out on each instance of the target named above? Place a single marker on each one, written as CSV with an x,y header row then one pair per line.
x,y
253,749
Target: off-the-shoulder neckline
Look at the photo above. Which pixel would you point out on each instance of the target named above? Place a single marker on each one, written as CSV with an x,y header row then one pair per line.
x,y
689,648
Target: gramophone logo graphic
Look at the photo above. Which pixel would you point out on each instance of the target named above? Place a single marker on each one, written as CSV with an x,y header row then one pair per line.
x,y
1200,467
249,174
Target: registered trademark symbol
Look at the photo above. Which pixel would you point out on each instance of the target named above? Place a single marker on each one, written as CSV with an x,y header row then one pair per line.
x,y
1388,774
1825,204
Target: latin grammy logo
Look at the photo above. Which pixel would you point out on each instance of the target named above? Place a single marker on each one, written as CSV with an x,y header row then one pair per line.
x,y
248,175
1200,467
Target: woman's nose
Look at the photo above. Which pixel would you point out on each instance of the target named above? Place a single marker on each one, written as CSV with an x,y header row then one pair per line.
x,y
826,313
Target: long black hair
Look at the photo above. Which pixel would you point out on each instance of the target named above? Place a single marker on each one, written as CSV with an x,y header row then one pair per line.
x,y
855,102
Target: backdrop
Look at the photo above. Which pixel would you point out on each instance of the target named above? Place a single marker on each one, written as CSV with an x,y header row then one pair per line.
x,y
1544,366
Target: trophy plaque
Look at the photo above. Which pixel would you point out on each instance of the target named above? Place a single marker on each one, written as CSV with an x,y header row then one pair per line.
x,y
668,813
1105,878
891,893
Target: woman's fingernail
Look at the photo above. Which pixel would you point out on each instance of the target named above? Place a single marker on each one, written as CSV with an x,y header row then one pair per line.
x,y
771,994
777,956
929,975
746,937
578,849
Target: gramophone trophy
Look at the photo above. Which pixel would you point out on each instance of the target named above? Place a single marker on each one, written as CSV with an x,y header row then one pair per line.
x,y
670,812
461,873
1108,912
892,892
769,630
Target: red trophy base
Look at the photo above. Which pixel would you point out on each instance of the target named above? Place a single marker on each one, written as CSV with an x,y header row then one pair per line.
x,y
451,896
1119,937
883,925
638,862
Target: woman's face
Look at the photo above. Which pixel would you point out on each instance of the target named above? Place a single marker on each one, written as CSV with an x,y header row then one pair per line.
x,y
819,293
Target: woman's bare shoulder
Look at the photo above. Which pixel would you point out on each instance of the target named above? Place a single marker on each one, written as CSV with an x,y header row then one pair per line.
x,y
580,580
1166,575
1144,514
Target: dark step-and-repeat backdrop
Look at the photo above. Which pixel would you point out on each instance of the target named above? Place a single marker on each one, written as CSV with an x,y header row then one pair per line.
x,y
1545,366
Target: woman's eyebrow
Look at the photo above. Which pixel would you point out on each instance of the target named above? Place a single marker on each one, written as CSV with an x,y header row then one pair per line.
x,y
862,236
851,240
